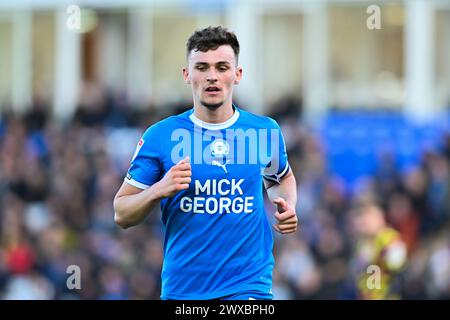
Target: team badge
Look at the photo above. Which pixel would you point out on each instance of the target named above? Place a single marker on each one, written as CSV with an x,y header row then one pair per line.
x,y
219,148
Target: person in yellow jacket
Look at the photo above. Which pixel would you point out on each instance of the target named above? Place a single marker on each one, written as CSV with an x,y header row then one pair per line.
x,y
380,254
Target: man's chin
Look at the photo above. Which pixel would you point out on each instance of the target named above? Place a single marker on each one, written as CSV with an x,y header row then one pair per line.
x,y
210,105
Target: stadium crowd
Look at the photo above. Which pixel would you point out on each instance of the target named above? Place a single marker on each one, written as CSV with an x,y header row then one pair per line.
x,y
58,180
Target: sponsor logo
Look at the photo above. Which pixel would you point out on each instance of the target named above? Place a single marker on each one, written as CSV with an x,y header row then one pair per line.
x,y
138,147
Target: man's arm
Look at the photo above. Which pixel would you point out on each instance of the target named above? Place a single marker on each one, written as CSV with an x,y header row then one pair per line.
x,y
284,196
132,205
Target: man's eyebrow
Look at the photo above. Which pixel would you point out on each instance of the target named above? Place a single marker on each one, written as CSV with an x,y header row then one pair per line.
x,y
217,63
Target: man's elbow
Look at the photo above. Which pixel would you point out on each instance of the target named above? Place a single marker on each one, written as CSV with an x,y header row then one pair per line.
x,y
119,217
119,220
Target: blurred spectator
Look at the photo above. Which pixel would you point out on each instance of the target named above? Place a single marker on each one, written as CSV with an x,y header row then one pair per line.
x,y
439,269
380,254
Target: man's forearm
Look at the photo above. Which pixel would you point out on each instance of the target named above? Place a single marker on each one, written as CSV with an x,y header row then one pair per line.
x,y
287,189
132,209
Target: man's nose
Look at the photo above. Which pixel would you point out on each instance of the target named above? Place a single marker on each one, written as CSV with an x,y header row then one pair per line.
x,y
212,75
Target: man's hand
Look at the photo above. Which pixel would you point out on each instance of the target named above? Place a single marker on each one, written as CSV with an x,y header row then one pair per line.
x,y
286,217
175,180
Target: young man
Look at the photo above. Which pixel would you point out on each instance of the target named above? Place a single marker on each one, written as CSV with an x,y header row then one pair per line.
x,y
380,254
206,167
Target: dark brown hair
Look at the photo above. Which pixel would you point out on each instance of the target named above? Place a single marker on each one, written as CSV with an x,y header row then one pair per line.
x,y
210,39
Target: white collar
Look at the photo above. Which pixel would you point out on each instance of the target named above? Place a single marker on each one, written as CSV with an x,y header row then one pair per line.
x,y
215,126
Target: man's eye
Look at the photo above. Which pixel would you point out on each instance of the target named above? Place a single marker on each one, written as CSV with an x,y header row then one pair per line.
x,y
223,68
201,68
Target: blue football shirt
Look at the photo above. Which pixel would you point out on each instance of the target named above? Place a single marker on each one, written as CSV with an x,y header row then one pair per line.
x,y
218,240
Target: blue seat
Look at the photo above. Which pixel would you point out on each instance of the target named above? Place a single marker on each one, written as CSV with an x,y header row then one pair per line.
x,y
354,141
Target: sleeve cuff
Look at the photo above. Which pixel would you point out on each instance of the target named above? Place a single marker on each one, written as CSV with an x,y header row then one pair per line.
x,y
277,177
136,184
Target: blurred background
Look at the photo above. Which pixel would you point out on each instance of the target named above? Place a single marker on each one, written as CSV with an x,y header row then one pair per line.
x,y
364,111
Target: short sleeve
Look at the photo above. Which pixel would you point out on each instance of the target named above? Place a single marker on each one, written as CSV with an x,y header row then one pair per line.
x,y
278,166
145,168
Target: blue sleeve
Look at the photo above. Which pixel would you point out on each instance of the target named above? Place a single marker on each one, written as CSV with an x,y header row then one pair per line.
x,y
278,166
146,168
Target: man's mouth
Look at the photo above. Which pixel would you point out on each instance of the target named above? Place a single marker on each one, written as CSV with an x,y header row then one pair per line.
x,y
212,89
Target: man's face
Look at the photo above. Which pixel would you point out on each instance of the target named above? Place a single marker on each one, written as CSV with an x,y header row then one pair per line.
x,y
212,75
368,222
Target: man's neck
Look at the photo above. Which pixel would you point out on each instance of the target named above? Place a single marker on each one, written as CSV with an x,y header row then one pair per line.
x,y
219,115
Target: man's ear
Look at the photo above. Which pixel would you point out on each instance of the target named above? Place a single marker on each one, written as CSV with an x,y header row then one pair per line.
x,y
238,75
186,77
